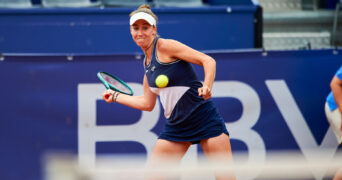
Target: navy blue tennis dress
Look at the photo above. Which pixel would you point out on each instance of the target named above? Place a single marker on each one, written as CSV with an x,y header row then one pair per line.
x,y
190,118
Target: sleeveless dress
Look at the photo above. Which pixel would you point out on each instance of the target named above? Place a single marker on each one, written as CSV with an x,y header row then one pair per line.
x,y
190,118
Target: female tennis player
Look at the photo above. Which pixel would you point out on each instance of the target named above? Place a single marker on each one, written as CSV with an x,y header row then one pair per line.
x,y
191,116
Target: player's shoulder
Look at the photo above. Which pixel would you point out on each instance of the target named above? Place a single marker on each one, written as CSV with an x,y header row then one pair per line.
x,y
167,44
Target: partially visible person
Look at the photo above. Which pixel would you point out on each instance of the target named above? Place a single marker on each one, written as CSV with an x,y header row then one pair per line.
x,y
333,105
333,110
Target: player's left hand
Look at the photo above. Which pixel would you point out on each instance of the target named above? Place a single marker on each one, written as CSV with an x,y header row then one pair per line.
x,y
205,92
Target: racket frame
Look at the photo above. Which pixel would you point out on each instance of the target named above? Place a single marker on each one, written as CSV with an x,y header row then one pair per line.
x,y
109,86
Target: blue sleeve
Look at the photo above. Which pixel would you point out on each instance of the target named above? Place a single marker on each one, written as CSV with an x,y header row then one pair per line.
x,y
330,98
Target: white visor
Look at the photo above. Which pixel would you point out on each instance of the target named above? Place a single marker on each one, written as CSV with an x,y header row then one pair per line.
x,y
144,16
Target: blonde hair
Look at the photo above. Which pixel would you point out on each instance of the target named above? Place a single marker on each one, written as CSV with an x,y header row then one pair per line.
x,y
146,9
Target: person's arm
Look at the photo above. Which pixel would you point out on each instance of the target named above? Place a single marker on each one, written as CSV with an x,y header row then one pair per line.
x,y
336,88
144,103
177,50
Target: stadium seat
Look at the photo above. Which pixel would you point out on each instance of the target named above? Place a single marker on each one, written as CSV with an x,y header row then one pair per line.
x,y
70,3
15,3
123,3
177,3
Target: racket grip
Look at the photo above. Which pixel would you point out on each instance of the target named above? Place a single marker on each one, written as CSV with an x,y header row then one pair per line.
x,y
107,96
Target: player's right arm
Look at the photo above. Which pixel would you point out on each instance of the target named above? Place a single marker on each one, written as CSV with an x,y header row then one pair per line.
x,y
144,103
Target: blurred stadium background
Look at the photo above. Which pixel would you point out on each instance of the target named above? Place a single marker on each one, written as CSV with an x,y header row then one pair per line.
x,y
275,61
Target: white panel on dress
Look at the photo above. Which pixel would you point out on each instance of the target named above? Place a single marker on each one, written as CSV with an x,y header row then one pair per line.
x,y
169,97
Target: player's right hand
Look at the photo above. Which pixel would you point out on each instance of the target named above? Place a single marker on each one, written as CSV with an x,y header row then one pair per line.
x,y
108,95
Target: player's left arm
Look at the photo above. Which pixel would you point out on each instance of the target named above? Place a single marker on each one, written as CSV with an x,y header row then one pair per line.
x,y
179,50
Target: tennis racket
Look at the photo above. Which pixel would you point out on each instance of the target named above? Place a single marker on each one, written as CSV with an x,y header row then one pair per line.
x,y
114,83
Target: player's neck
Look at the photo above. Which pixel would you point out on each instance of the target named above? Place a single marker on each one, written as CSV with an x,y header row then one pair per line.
x,y
149,46
148,51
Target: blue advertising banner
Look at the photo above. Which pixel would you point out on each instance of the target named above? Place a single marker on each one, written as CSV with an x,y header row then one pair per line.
x,y
52,103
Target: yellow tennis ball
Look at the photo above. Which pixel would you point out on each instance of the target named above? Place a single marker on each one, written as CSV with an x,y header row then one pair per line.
x,y
162,81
